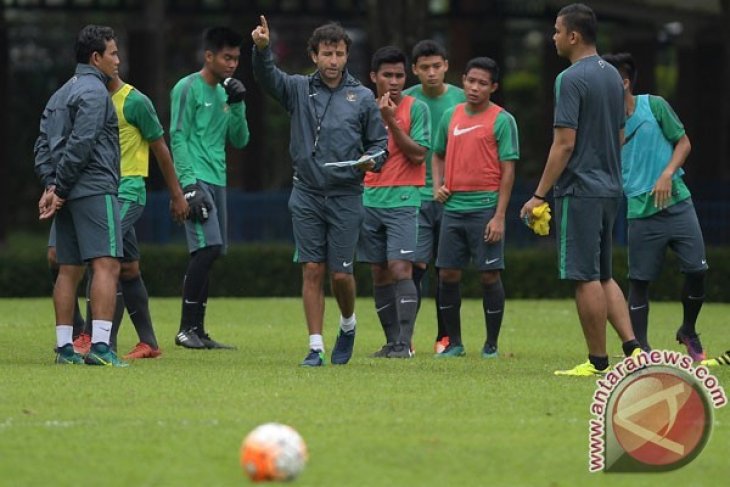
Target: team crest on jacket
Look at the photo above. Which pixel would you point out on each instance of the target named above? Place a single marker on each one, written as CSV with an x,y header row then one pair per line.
x,y
350,96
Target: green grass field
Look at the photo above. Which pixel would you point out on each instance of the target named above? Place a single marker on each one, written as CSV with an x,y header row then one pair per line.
x,y
179,420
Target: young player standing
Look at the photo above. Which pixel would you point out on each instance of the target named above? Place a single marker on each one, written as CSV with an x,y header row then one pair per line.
x,y
430,64
389,234
660,209
207,110
473,173
139,131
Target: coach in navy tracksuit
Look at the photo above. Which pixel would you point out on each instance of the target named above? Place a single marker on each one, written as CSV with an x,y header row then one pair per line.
x,y
334,118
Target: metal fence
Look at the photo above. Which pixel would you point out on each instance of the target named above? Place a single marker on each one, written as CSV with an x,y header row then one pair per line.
x,y
264,216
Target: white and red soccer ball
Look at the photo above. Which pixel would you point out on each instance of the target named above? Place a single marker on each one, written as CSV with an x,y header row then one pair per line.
x,y
273,451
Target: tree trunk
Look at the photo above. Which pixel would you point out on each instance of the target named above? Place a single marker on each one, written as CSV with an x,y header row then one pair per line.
x,y
724,132
3,116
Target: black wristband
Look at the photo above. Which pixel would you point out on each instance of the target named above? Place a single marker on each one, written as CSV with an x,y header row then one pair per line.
x,y
541,198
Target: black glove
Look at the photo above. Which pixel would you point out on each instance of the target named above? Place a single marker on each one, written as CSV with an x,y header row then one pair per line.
x,y
235,90
197,202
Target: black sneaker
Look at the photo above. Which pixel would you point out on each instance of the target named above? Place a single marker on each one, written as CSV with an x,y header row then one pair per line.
x,y
342,351
383,352
315,358
208,342
189,339
400,350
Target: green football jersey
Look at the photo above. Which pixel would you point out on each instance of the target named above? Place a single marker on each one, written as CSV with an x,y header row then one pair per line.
x,y
201,123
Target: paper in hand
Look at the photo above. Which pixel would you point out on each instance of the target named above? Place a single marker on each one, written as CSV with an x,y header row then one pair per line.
x,y
354,162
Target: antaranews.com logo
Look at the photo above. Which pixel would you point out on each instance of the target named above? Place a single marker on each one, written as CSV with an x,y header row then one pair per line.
x,y
652,413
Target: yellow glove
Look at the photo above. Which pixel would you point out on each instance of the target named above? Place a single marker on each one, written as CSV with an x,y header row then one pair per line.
x,y
540,221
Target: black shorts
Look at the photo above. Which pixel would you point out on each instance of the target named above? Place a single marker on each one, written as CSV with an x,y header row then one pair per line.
x,y
676,228
214,230
388,234
429,226
326,228
462,241
585,234
88,228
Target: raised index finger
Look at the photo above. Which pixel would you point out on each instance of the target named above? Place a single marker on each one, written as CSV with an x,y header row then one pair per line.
x,y
264,24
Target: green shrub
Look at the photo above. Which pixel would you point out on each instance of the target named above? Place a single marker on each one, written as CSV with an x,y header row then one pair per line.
x,y
267,270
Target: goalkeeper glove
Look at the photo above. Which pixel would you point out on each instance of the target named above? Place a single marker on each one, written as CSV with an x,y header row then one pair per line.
x,y
539,221
197,202
235,90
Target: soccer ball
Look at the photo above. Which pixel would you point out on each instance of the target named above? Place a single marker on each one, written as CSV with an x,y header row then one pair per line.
x,y
273,451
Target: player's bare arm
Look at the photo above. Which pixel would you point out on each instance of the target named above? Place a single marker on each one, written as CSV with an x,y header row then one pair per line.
x,y
260,34
415,153
560,152
494,231
662,190
178,206
440,192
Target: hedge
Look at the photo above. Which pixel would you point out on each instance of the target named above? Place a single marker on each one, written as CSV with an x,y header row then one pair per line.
x,y
268,270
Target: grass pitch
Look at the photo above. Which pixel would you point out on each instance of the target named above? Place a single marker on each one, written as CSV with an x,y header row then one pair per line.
x,y
179,420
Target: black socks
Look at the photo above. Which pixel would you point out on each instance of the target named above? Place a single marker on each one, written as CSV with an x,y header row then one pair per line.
x,y
493,304
639,310
195,287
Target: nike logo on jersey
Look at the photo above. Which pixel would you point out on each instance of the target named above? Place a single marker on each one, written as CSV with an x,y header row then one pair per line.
x,y
635,308
491,261
406,251
346,264
493,311
208,104
378,310
458,131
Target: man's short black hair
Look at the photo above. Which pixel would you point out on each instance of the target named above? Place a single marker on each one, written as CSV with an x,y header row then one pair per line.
x,y
624,63
387,55
427,48
580,18
91,39
331,33
485,63
217,38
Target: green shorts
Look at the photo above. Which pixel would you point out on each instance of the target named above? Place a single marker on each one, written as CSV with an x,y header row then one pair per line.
x,y
429,225
462,241
130,212
388,234
585,233
326,228
88,228
214,230
675,227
